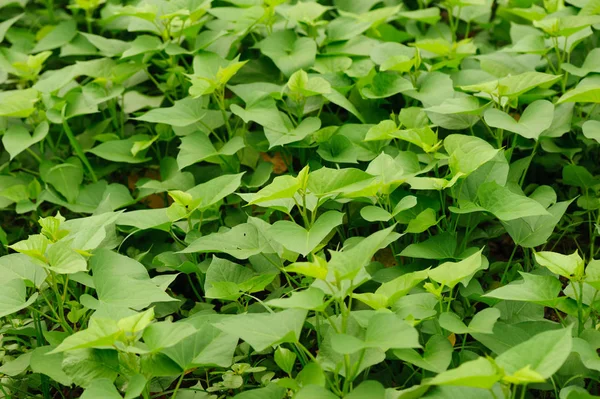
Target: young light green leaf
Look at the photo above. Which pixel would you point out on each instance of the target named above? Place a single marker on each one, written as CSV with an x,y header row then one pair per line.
x,y
101,389
17,139
115,274
347,264
13,296
165,334
298,239
436,356
586,91
289,52
309,299
450,274
262,330
536,118
507,205
183,113
467,153
241,242
384,331
543,290
197,147
483,322
479,373
569,266
590,65
544,354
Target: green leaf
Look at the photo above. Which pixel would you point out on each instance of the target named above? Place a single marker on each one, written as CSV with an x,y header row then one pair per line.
x,y
506,205
262,330
84,366
566,25
228,281
536,118
17,139
338,149
544,354
164,334
212,72
422,222
5,25
456,113
384,331
543,290
143,44
300,85
289,52
590,65
298,239
49,364
207,194
467,153
241,242
18,103
100,334
591,130
183,113
115,274
271,391
60,35
514,85
285,359
386,84
13,296
121,150
450,274
533,231
16,366
309,299
586,91
62,259
483,322
282,187
578,176
436,356
208,346
197,147
347,182
101,389
479,373
314,392
569,266
348,263
427,15
65,178
439,246
135,386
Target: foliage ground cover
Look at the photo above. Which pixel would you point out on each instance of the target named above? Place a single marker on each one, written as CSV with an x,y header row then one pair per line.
x,y
267,199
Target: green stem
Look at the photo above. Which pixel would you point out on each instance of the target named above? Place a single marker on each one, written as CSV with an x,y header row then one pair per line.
x,y
523,391
50,8
77,148
507,268
194,288
178,385
34,155
528,163
580,307
88,20
591,112
220,100
40,342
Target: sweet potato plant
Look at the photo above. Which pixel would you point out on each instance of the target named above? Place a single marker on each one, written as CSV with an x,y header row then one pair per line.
x,y
268,199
